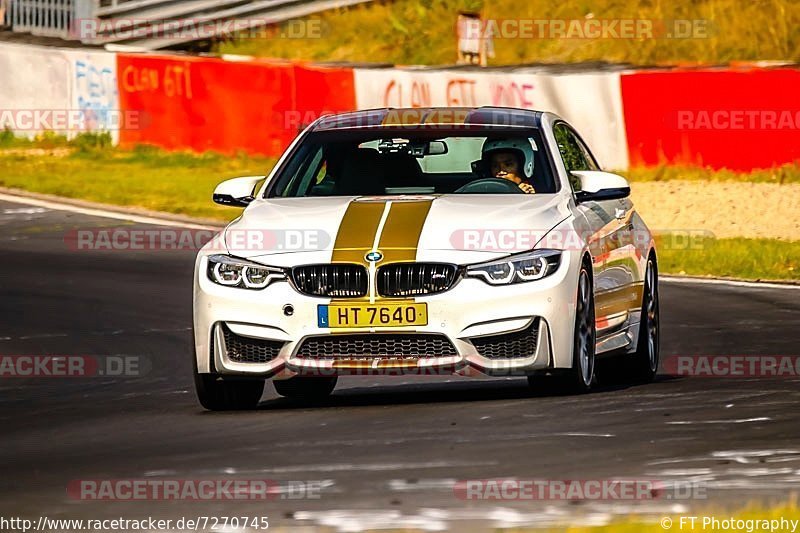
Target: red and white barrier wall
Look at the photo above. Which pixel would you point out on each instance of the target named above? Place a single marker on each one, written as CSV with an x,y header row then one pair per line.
x,y
231,104
720,118
216,104
55,82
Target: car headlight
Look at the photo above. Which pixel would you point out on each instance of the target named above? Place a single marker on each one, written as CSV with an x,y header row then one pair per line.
x,y
517,268
233,272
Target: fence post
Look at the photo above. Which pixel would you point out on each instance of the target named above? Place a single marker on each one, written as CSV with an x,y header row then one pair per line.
x,y
83,10
4,13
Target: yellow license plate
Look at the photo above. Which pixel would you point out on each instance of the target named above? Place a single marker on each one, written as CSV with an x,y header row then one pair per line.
x,y
371,315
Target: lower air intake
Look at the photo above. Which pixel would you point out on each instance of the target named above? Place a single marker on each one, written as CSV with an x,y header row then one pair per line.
x,y
515,345
249,350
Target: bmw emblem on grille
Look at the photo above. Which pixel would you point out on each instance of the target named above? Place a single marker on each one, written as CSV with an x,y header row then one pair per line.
x,y
373,256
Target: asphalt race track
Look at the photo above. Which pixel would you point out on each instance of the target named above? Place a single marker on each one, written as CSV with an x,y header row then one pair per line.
x,y
382,451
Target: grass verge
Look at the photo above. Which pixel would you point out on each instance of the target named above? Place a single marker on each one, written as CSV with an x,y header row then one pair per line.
x,y
145,177
182,183
789,173
423,32
755,259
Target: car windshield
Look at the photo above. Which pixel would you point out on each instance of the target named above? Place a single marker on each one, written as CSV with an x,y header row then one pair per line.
x,y
397,162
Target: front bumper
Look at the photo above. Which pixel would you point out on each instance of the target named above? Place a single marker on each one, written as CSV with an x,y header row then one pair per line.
x,y
470,310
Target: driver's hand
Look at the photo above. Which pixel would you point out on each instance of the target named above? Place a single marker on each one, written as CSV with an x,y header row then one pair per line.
x,y
527,188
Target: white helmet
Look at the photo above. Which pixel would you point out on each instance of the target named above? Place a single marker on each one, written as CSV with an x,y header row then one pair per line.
x,y
523,146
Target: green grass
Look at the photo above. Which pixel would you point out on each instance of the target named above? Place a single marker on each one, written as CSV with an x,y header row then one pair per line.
x,y
789,173
760,259
423,32
46,140
146,177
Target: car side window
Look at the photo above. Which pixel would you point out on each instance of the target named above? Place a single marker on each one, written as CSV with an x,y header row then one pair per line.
x,y
574,153
307,171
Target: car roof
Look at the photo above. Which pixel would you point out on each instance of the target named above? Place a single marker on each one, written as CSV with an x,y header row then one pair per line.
x,y
431,118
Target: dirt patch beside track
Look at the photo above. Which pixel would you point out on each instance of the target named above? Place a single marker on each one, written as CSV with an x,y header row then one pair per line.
x,y
728,209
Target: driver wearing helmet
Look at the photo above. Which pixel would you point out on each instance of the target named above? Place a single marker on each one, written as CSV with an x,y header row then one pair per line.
x,y
510,159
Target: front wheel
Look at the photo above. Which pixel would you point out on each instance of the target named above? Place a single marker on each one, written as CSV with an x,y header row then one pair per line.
x,y
305,387
217,395
580,377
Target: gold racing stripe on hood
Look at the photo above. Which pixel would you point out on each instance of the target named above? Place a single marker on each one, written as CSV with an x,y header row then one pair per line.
x,y
402,230
357,232
356,237
392,227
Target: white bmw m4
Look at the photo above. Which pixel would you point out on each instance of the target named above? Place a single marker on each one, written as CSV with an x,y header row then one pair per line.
x,y
482,242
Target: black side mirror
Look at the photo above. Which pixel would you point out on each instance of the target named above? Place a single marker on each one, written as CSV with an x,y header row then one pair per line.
x,y
227,199
615,193
597,186
237,192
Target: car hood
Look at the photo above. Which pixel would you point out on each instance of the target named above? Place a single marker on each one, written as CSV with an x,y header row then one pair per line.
x,y
448,228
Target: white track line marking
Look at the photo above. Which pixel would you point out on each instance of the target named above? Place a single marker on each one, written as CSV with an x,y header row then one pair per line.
x,y
730,282
139,219
737,421
25,211
366,467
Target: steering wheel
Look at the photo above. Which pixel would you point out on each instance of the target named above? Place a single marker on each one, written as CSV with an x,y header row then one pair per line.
x,y
490,185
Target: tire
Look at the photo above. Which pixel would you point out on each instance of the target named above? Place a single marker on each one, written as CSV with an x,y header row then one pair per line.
x,y
215,394
581,377
305,387
643,364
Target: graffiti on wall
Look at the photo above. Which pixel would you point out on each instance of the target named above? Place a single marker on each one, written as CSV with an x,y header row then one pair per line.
x,y
590,101
94,90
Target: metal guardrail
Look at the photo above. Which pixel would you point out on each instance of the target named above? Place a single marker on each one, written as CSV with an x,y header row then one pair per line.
x,y
150,24
46,18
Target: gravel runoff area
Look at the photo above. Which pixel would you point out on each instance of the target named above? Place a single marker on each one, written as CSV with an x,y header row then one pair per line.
x,y
725,208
